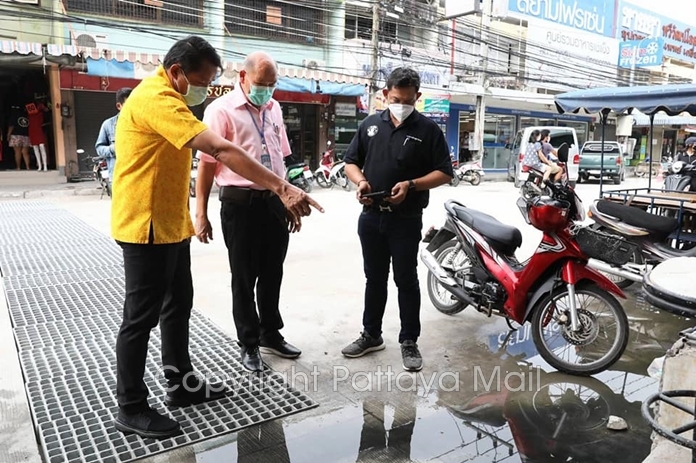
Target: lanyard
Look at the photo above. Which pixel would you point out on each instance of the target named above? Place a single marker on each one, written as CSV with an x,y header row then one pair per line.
x,y
261,130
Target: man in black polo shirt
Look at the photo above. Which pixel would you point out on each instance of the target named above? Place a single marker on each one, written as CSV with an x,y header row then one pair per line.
x,y
404,154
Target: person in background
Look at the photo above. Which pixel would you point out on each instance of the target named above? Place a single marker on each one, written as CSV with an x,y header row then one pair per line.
x,y
18,136
688,156
404,154
151,221
548,155
253,219
107,134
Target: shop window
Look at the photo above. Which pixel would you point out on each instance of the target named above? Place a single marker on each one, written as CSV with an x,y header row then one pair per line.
x,y
281,20
499,132
176,12
358,25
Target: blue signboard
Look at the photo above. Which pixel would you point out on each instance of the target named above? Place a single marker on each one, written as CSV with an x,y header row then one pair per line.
x,y
593,16
641,53
635,23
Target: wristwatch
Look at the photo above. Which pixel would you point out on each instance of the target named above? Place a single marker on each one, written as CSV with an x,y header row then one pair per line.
x,y
411,185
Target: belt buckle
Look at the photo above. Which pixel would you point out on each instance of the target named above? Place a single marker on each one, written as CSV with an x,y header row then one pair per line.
x,y
385,208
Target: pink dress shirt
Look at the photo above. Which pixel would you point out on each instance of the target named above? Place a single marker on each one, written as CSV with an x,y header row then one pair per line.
x,y
231,117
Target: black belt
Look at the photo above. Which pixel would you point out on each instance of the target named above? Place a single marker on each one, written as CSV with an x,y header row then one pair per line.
x,y
243,195
389,209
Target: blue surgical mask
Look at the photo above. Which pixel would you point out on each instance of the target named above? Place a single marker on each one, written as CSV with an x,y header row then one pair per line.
x,y
195,95
259,95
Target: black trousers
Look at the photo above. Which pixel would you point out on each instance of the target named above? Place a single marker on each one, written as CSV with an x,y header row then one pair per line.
x,y
159,288
387,237
256,235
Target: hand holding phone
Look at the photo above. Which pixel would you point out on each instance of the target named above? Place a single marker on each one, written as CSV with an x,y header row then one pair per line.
x,y
377,194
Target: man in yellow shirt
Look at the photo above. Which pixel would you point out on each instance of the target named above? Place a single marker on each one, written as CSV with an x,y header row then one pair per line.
x,y
150,219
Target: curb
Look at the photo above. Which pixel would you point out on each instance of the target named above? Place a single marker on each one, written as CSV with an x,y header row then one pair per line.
x,y
32,194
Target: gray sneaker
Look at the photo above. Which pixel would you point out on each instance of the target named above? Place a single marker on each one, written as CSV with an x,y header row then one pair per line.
x,y
363,345
412,360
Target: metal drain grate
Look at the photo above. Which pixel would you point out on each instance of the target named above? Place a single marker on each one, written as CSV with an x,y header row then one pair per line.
x,y
202,331
73,300
30,264
96,246
75,412
92,353
17,282
8,207
65,291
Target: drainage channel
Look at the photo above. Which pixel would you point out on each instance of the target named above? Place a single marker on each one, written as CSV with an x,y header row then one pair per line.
x,y
64,288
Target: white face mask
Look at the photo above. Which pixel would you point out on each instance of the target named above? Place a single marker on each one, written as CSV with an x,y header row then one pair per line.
x,y
401,111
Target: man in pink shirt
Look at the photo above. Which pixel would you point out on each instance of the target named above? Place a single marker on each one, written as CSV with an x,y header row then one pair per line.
x,y
255,223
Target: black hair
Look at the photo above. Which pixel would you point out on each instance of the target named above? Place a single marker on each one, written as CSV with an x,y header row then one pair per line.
x,y
122,94
403,78
545,133
190,53
533,136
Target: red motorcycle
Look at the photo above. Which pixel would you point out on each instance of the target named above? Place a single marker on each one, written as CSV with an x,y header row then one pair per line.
x,y
471,261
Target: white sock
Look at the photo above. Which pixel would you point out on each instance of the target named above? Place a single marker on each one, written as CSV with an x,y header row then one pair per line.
x,y
37,153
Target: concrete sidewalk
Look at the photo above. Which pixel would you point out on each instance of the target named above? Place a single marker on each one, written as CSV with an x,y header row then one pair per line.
x,y
677,374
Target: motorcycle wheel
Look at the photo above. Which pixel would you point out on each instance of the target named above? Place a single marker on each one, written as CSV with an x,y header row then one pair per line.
x,y
455,181
192,188
442,300
565,406
542,319
306,186
475,178
322,181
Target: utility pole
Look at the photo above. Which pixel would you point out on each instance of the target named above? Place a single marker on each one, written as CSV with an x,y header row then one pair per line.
x,y
480,120
374,71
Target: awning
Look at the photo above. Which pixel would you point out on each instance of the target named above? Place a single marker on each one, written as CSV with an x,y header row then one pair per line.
x,y
22,48
133,65
643,120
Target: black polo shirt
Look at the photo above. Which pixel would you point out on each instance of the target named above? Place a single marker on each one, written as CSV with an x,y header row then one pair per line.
x,y
388,155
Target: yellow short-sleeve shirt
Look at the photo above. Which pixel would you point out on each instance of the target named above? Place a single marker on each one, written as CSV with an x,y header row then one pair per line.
x,y
153,166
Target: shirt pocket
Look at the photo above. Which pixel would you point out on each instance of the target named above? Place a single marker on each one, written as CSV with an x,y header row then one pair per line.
x,y
411,155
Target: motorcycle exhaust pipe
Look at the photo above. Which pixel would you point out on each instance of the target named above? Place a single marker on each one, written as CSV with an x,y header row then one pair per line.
x,y
449,283
618,271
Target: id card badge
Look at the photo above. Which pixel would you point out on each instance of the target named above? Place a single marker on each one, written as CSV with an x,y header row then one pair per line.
x,y
266,157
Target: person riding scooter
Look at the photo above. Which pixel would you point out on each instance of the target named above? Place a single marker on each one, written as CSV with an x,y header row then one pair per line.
x,y
689,155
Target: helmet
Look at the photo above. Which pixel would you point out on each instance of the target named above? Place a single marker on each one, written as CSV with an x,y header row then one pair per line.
x,y
691,141
548,214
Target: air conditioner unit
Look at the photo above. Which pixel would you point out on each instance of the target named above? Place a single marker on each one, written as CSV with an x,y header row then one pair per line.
x,y
91,40
313,64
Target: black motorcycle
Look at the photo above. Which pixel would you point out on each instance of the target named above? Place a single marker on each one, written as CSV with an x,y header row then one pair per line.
x,y
680,177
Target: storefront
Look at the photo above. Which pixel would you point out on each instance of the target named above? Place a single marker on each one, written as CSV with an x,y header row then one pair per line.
x,y
501,125
349,112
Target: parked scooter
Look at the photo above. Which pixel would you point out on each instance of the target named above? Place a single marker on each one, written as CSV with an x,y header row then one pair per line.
x,y
471,261
679,177
643,232
469,172
100,173
331,171
300,176
194,177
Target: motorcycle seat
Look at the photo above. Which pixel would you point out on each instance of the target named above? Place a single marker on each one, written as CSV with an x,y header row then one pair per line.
x,y
505,238
292,166
660,226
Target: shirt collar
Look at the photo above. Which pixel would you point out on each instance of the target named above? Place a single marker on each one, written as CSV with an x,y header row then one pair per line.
x,y
239,99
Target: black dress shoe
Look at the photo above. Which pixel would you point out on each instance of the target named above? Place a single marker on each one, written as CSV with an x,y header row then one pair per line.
x,y
193,392
281,349
147,423
251,358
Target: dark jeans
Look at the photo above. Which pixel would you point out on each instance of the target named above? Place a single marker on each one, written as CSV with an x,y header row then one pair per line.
x,y
389,237
159,288
256,235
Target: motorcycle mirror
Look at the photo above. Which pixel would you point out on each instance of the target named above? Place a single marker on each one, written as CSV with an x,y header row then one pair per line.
x,y
328,143
563,152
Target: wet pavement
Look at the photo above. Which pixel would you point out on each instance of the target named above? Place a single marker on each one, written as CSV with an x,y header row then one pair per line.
x,y
483,396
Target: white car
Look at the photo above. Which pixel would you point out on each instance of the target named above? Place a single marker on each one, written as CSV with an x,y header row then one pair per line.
x,y
559,135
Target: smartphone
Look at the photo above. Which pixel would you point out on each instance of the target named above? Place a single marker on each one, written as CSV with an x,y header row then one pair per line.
x,y
377,194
